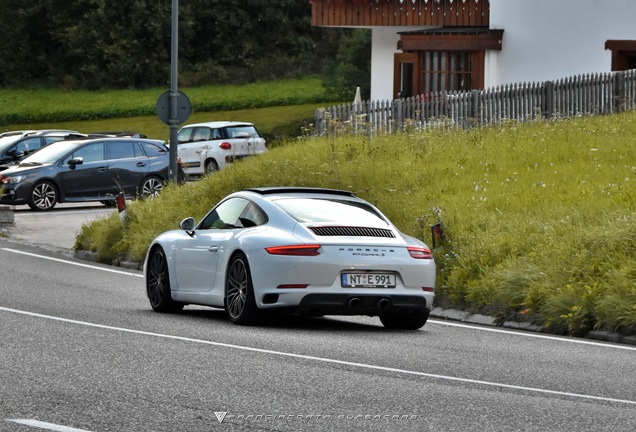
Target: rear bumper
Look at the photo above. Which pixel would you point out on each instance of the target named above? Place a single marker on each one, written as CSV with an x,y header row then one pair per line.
x,y
363,304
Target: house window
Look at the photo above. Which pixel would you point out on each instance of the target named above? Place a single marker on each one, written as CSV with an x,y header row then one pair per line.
x,y
443,59
446,71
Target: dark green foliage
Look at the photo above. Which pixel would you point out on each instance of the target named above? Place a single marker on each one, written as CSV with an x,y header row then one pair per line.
x,y
351,67
96,44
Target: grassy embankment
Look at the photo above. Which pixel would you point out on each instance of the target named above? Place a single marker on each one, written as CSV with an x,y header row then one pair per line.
x,y
540,219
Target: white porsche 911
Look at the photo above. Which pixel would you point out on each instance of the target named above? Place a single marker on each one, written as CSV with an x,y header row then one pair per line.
x,y
307,251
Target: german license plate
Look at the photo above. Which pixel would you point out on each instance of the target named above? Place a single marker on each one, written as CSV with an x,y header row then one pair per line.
x,y
368,280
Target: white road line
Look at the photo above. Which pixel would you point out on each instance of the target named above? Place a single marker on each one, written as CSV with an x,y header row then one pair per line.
x,y
431,321
73,263
47,426
324,359
532,335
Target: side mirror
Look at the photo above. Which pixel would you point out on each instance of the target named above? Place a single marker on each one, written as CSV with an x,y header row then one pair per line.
x,y
76,161
15,154
188,225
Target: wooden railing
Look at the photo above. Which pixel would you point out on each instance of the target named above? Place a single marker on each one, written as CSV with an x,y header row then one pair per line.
x,y
347,13
590,94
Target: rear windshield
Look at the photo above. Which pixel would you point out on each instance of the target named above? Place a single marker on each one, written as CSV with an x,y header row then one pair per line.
x,y
330,211
242,131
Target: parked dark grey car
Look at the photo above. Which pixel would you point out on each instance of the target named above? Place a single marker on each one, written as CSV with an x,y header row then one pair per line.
x,y
87,170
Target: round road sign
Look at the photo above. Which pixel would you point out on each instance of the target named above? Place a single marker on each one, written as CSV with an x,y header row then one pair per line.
x,y
162,108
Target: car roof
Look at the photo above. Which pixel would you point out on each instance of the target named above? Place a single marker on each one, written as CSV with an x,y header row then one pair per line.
x,y
287,190
89,138
218,124
16,133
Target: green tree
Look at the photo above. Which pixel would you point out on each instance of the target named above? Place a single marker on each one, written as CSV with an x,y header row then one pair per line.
x,y
126,43
351,67
27,50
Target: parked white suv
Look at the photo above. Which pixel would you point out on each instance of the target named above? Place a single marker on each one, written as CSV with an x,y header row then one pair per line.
x,y
208,147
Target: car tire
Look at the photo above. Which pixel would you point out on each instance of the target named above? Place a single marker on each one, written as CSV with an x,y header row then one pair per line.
x,y
240,305
413,321
158,284
181,176
109,203
151,187
43,197
211,166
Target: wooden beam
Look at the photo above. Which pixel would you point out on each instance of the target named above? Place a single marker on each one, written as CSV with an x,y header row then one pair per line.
x,y
490,41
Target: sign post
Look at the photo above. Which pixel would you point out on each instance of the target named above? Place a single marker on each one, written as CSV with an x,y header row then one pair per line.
x,y
173,107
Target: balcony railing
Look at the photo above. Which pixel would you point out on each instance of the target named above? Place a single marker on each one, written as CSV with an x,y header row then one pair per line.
x,y
369,13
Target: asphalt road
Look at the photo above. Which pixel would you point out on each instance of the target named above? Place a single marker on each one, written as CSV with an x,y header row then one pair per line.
x,y
81,350
55,229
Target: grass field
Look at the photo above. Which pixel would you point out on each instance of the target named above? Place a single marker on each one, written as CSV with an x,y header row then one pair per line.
x,y
37,106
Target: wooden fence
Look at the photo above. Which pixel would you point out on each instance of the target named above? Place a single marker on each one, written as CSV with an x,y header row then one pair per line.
x,y
591,94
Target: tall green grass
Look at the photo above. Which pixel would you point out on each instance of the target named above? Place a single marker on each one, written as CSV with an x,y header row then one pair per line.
x,y
40,105
539,219
275,123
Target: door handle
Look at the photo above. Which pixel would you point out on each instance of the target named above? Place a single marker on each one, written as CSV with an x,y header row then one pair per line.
x,y
213,249
141,164
102,169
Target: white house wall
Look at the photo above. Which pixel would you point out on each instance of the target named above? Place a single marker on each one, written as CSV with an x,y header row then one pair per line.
x,y
543,40
384,42
551,39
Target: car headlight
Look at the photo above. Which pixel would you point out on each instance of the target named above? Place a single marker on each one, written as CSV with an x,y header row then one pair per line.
x,y
12,179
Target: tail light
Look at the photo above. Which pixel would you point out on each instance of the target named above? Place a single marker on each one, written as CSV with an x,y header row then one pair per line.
x,y
292,286
295,250
226,145
418,252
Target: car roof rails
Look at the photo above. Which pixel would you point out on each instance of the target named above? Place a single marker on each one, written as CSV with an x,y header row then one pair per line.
x,y
122,134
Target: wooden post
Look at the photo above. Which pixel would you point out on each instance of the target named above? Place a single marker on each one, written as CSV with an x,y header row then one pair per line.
x,y
476,108
548,99
619,91
398,119
319,121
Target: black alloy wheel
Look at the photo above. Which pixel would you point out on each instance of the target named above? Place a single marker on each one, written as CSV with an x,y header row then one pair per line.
x,y
158,284
240,305
211,166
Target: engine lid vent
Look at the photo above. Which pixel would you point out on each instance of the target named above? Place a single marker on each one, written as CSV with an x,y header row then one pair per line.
x,y
348,231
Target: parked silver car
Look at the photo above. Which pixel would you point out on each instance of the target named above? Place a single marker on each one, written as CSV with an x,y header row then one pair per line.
x,y
207,147
16,145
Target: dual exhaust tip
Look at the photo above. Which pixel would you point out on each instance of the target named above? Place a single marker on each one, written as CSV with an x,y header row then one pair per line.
x,y
383,304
